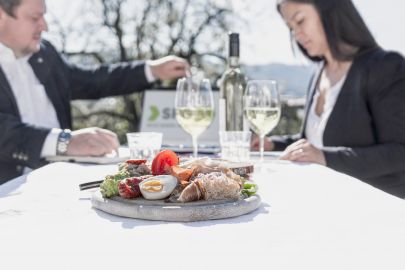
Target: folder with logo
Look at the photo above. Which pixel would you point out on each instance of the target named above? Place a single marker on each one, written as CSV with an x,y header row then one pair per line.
x,y
159,115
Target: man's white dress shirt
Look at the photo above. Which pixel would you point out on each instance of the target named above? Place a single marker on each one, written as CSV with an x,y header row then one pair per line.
x,y
32,101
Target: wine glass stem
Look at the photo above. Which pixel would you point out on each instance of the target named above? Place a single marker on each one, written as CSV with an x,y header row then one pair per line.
x,y
261,148
195,146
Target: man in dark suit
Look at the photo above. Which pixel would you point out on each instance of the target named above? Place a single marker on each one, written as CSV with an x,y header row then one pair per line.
x,y
37,85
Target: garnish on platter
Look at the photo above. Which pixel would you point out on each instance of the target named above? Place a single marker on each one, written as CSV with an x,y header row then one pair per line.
x,y
167,178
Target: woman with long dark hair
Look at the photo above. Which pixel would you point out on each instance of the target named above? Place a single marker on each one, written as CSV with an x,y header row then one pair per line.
x,y
355,113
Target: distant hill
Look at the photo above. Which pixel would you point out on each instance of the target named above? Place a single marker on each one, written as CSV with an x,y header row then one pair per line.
x,y
293,80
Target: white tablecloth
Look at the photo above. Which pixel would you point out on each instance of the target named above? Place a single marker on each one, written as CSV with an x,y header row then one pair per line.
x,y
311,218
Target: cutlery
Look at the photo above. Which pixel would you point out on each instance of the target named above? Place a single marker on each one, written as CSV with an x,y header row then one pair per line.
x,y
90,185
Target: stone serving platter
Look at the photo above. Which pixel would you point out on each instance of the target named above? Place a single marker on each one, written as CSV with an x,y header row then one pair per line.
x,y
181,212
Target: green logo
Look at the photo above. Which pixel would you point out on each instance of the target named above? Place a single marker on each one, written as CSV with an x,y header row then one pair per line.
x,y
154,113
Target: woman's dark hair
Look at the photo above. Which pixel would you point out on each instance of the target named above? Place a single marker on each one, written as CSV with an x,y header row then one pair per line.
x,y
9,6
346,32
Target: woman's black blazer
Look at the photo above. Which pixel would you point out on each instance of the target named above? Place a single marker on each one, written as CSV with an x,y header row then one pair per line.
x,y
365,134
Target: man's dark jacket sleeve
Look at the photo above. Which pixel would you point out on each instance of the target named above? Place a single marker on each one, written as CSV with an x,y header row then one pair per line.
x,y
21,143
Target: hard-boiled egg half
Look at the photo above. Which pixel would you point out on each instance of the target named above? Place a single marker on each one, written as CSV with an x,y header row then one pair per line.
x,y
158,187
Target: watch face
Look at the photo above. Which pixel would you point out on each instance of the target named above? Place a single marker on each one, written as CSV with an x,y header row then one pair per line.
x,y
62,148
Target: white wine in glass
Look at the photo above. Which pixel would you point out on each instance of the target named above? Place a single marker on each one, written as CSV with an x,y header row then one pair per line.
x,y
262,108
194,106
263,120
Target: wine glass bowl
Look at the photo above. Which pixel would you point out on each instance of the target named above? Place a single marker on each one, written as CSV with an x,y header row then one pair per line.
x,y
194,106
262,107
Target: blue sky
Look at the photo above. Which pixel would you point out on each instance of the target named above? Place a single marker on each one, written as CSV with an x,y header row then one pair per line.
x,y
265,38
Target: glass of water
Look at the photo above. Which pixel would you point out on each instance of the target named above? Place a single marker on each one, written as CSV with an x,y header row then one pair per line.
x,y
144,145
235,145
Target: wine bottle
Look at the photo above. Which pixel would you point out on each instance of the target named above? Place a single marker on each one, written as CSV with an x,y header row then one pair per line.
x,y
232,88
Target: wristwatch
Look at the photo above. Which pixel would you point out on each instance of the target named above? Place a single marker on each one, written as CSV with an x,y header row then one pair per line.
x,y
63,142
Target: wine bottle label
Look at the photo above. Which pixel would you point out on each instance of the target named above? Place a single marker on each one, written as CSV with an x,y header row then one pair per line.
x,y
222,114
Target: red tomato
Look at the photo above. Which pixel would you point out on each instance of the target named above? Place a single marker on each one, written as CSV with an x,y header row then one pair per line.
x,y
136,161
163,161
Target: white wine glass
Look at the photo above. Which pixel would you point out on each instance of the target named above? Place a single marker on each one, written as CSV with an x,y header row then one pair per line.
x,y
194,106
262,107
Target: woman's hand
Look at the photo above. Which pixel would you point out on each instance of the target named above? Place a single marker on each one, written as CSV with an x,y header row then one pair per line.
x,y
303,151
255,144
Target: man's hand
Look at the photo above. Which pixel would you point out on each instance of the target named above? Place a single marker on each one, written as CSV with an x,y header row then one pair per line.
x,y
303,151
169,67
92,142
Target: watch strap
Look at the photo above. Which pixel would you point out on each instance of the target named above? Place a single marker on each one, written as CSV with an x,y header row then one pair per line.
x,y
63,142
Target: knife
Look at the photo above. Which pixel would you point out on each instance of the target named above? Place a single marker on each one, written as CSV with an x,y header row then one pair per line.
x,y
90,185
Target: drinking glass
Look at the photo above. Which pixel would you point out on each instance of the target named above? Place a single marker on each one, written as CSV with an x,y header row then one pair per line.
x,y
194,106
262,107
235,145
144,145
